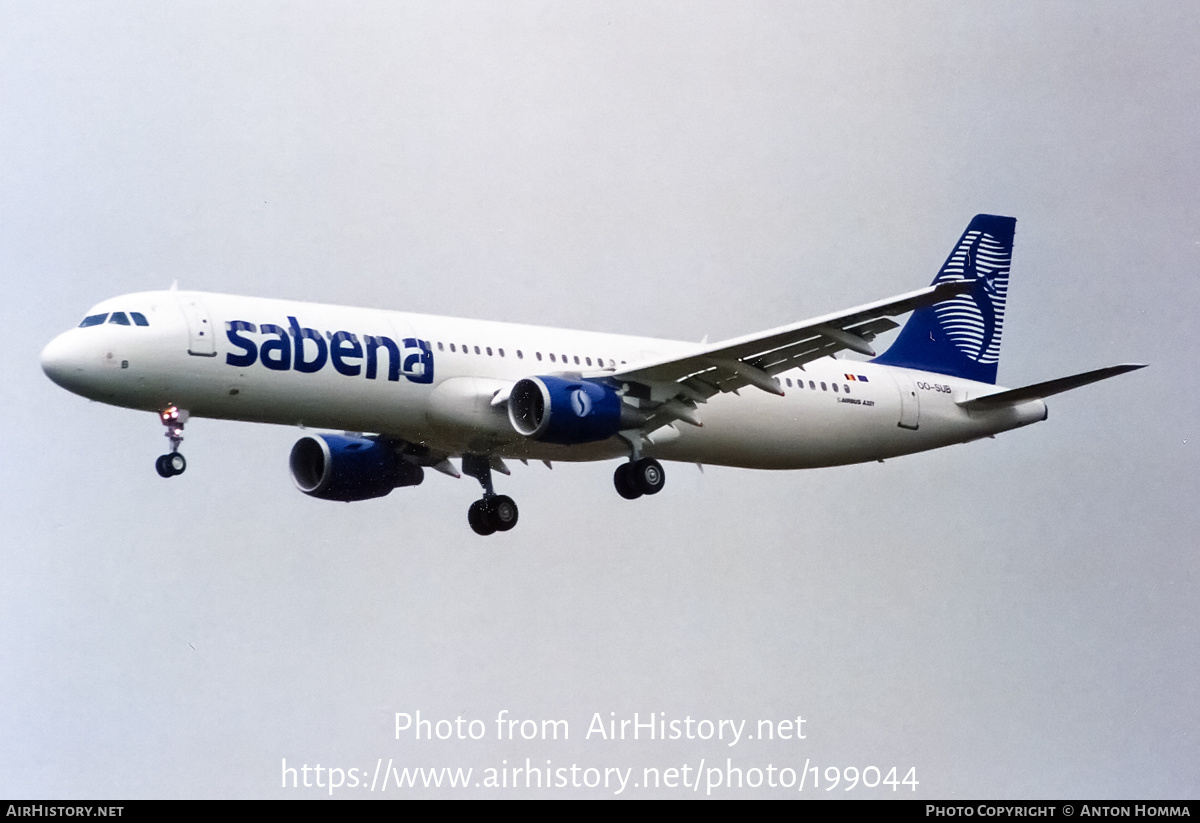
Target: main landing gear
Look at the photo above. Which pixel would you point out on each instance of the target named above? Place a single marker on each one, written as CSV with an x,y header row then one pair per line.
x,y
172,463
638,477
494,512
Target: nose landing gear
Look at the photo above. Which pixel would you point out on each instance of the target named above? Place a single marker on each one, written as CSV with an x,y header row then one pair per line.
x,y
172,463
169,465
494,512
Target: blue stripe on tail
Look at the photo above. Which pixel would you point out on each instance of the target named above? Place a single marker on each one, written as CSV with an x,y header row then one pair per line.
x,y
961,336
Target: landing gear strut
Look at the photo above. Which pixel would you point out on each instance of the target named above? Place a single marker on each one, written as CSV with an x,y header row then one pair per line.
x,y
494,512
172,463
638,477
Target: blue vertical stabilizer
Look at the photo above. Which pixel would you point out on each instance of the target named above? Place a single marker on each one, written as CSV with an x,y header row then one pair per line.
x,y
961,336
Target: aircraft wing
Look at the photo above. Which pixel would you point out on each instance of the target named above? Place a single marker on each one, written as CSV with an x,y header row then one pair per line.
x,y
673,386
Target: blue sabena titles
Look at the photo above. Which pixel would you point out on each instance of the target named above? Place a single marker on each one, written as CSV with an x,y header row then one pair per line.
x,y
960,337
286,350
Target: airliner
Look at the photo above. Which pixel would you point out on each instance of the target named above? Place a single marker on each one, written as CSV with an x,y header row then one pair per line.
x,y
408,392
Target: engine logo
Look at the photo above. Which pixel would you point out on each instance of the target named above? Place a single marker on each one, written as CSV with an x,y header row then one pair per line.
x,y
581,403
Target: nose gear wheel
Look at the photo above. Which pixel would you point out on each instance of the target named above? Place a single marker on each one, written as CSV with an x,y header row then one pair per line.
x,y
172,463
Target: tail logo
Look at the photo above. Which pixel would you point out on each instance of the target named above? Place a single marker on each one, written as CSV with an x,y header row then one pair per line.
x,y
973,321
960,336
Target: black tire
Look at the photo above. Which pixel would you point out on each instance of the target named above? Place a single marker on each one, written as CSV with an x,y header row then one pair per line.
x,y
624,481
477,516
175,462
502,513
160,465
648,475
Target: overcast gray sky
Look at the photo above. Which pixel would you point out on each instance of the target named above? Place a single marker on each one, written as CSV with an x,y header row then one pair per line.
x,y
1012,618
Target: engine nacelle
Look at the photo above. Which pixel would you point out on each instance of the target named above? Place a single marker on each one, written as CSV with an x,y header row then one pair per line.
x,y
340,467
556,410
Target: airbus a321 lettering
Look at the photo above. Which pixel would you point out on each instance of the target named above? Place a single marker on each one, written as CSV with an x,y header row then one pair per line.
x,y
412,392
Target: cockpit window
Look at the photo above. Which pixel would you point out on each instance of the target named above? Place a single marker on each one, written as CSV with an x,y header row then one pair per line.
x,y
139,318
120,318
92,320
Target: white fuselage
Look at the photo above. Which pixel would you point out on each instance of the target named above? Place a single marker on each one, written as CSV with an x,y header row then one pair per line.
x,y
197,352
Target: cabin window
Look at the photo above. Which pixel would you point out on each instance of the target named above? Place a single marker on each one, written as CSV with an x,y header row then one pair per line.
x,y
489,351
519,355
477,350
589,360
552,360
500,352
846,388
835,388
440,346
823,386
539,355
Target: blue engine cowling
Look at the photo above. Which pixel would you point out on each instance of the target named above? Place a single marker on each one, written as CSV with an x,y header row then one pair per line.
x,y
556,410
341,467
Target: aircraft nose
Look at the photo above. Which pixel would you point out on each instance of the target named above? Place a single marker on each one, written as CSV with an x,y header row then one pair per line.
x,y
61,361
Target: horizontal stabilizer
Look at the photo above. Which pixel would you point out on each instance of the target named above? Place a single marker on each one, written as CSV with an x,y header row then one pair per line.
x,y
1039,391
